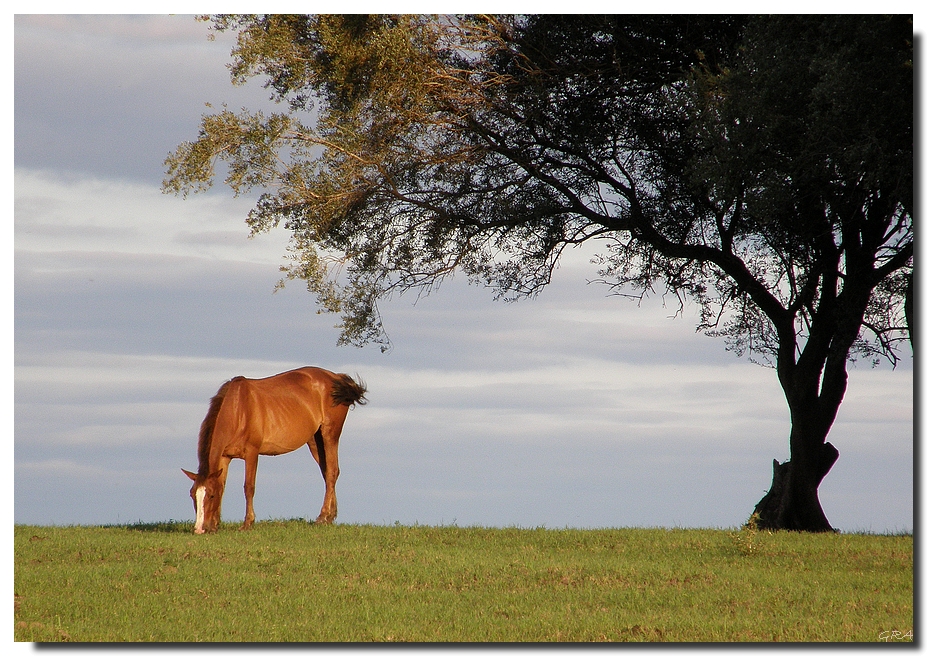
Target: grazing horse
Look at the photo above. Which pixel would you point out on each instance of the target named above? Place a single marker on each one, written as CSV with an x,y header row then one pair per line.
x,y
248,418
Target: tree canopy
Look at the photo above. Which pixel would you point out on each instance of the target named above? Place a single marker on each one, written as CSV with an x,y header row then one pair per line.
x,y
760,167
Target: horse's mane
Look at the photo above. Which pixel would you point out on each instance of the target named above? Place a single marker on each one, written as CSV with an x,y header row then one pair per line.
x,y
345,391
206,428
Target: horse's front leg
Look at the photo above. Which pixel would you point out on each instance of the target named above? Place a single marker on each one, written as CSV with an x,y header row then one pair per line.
x,y
251,461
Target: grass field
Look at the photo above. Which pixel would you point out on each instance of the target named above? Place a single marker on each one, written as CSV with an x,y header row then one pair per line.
x,y
296,581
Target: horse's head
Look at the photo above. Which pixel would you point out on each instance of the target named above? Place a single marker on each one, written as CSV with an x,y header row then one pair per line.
x,y
207,501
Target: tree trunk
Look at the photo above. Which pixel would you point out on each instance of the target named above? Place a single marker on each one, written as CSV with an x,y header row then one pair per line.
x,y
909,308
792,501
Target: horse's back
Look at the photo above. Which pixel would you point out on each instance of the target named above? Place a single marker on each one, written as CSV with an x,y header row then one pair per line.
x,y
295,378
332,388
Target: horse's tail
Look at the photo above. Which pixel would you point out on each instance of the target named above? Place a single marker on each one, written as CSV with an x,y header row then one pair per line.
x,y
209,423
347,391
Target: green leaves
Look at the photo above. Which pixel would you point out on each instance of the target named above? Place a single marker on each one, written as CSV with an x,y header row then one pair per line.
x,y
248,143
724,158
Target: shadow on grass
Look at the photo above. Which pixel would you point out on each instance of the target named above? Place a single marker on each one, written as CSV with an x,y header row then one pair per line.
x,y
156,527
172,526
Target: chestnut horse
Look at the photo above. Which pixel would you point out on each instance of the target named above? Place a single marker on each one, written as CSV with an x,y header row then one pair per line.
x,y
248,418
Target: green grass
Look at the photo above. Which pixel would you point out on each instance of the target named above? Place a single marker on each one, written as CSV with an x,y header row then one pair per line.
x,y
296,581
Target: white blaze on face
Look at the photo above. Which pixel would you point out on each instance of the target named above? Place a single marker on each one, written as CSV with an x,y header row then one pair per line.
x,y
200,496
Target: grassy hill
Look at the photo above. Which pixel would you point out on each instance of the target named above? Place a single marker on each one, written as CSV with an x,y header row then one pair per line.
x,y
296,581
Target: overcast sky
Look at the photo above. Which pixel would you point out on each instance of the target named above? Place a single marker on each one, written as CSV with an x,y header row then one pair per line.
x,y
132,307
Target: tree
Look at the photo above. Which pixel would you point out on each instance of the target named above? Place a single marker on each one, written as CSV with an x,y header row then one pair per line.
x,y
726,161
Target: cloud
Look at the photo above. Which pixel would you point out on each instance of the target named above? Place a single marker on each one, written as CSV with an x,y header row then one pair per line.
x,y
90,214
113,95
105,33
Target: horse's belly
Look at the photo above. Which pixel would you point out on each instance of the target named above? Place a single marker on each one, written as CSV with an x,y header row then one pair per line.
x,y
283,426
275,445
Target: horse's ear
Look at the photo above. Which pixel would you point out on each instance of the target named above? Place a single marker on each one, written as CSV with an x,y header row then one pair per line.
x,y
215,474
190,475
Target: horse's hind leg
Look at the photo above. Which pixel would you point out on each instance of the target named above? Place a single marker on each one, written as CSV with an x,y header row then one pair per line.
x,y
324,447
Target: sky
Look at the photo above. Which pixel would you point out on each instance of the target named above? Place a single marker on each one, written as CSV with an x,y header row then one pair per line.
x,y
131,307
